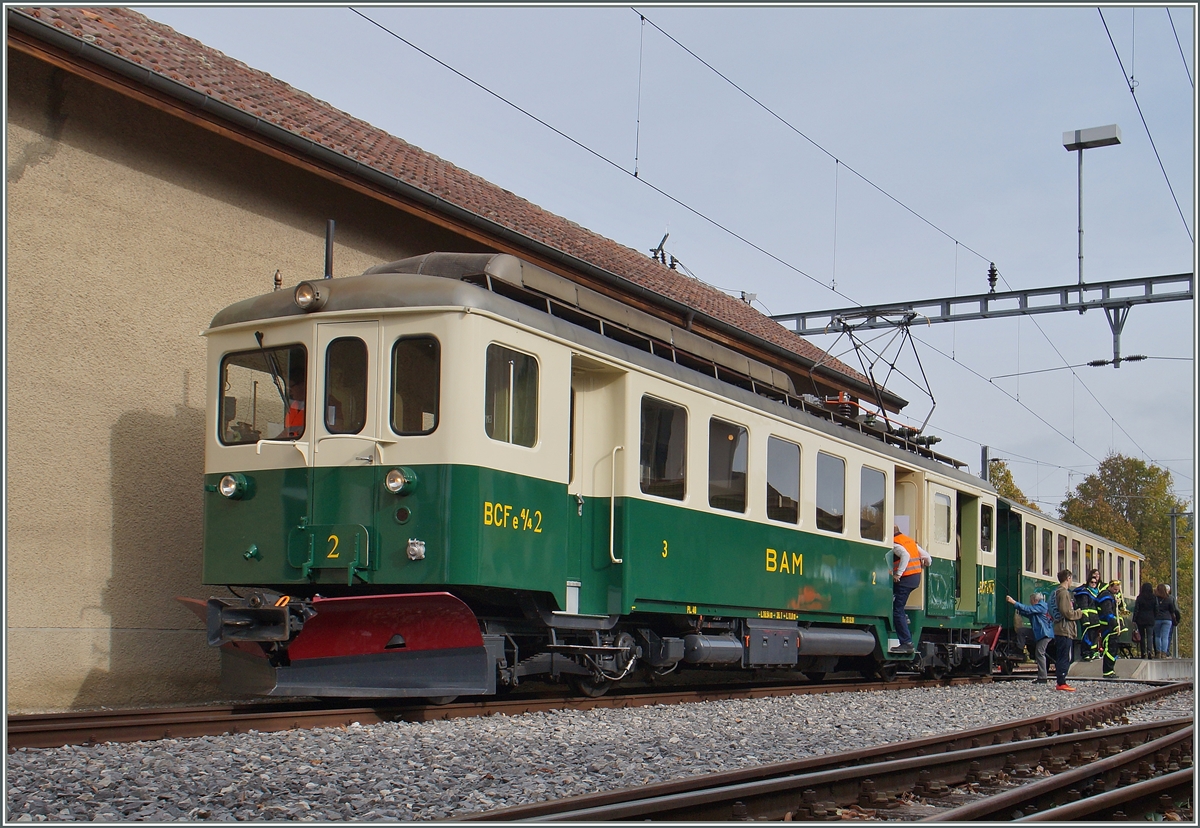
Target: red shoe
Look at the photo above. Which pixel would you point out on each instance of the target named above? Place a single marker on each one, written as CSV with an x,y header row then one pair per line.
x,y
1066,687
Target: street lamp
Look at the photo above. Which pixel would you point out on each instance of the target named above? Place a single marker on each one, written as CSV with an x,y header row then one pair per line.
x,y
1081,139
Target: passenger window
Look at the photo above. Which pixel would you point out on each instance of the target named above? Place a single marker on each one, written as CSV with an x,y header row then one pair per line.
x,y
726,466
1075,561
783,480
831,492
1047,543
1120,569
263,394
1087,548
941,518
872,504
416,384
664,449
985,529
1031,548
511,396
345,406
1062,553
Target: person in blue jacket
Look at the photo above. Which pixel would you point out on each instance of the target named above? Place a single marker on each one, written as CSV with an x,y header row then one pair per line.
x,y
1042,625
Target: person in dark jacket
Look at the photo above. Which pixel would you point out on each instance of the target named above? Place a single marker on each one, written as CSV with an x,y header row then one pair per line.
x,y
1108,606
1166,616
1084,596
1042,625
1143,620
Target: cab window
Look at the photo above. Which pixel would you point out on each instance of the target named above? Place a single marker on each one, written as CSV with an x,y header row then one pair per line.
x,y
985,529
663,453
831,492
726,466
783,480
345,408
263,394
872,504
416,384
511,396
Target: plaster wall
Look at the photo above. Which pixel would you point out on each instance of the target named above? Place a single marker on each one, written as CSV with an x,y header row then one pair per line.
x,y
127,230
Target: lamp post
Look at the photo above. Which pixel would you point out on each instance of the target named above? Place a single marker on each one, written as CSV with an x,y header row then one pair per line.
x,y
1079,140
1175,567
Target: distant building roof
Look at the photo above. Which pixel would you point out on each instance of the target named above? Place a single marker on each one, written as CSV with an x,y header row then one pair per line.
x,y
161,50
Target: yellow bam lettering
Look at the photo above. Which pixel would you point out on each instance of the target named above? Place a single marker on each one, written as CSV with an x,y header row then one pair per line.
x,y
506,516
790,562
778,615
987,587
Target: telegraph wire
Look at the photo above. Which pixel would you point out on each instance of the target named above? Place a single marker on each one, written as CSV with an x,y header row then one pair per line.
x,y
1187,71
1130,84
605,159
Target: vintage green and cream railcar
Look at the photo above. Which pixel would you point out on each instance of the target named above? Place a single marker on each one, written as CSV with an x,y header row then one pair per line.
x,y
1033,548
459,470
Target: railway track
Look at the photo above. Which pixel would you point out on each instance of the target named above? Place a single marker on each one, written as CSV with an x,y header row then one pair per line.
x,y
91,727
965,775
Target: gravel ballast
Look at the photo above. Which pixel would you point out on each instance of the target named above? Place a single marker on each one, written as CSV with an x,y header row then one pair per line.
x,y
436,770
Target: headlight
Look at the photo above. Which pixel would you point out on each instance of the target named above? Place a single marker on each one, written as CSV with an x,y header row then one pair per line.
x,y
400,481
309,296
233,486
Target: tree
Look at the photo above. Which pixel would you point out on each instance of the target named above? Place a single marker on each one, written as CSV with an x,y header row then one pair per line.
x,y
1130,501
1001,478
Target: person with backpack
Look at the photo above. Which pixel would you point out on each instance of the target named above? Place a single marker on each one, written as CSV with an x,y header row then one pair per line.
x,y
1038,612
1166,617
1064,614
1085,599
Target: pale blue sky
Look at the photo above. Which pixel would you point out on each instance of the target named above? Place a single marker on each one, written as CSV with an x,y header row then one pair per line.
x,y
956,112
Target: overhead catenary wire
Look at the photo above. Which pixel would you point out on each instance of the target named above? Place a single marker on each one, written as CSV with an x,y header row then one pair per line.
x,y
1182,57
1130,84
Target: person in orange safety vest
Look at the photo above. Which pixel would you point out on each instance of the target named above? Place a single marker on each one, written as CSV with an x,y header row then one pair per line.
x,y
293,418
908,561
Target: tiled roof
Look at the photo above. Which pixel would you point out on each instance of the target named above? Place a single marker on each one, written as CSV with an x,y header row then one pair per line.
x,y
161,49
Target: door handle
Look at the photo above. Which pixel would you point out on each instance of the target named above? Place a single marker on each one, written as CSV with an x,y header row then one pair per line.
x,y
579,503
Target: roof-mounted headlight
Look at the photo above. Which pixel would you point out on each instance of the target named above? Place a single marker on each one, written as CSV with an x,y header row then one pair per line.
x,y
310,296
401,481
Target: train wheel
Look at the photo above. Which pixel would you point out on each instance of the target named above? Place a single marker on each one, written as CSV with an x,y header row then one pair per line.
x,y
590,686
814,676
887,671
936,673
440,700
1006,667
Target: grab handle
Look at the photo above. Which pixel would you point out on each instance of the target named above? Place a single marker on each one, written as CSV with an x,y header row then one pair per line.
x,y
612,508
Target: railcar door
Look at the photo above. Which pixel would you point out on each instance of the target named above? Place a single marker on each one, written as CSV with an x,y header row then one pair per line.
x,y
941,577
596,451
344,430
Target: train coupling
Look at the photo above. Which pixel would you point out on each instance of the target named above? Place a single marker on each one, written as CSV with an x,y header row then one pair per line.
x,y
261,615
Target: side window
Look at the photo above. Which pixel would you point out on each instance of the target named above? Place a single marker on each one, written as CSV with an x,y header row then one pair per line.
x,y
1120,569
663,453
941,517
985,528
263,393
416,384
345,408
1047,543
1087,547
1031,548
831,492
1079,573
1062,553
783,480
1132,575
1105,574
872,504
727,446
511,396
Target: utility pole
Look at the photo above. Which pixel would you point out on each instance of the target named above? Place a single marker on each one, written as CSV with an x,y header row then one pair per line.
x,y
1175,568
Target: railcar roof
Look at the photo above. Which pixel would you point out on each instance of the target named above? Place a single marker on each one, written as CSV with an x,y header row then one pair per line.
x,y
383,291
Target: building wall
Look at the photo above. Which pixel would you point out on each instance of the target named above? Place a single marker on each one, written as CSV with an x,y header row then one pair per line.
x,y
128,229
